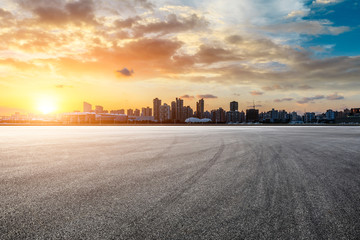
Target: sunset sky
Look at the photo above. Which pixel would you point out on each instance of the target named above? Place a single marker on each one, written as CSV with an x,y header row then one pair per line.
x,y
288,54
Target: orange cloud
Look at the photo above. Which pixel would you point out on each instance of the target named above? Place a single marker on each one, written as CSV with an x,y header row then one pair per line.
x,y
256,93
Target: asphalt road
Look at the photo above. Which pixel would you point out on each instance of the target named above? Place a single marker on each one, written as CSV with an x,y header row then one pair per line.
x,y
180,182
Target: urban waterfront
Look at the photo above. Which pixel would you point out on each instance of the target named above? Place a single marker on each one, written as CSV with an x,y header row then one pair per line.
x,y
179,182
178,113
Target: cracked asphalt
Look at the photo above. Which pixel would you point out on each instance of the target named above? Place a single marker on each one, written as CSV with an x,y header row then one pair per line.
x,y
180,182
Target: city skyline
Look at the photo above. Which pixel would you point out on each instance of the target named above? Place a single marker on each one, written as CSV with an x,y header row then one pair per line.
x,y
231,106
297,55
178,113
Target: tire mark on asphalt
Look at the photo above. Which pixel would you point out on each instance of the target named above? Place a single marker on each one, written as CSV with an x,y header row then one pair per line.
x,y
264,182
154,212
166,150
327,194
210,205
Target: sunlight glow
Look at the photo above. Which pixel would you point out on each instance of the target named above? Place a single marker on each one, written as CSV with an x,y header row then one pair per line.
x,y
46,105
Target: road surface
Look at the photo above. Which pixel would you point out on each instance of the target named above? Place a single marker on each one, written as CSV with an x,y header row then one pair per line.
x,y
196,182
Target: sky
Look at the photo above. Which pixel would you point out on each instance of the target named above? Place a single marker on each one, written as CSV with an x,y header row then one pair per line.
x,y
295,55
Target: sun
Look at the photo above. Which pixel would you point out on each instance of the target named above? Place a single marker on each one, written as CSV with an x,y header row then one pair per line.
x,y
46,105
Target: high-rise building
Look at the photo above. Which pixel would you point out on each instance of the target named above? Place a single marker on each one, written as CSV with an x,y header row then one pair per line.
x,y
146,112
234,106
330,115
309,117
99,109
252,115
207,114
274,116
354,111
284,117
156,107
200,108
173,110
137,113
235,116
187,113
218,116
130,112
179,109
164,113
87,107
242,116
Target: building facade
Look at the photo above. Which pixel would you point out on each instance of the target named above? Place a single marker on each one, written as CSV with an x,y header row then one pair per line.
x,y
87,107
200,108
234,106
156,108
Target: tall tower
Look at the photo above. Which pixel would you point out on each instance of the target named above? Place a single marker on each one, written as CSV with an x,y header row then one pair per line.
x,y
156,104
179,109
87,107
200,108
173,110
234,106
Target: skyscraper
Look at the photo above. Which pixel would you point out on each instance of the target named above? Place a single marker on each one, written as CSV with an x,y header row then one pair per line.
x,y
187,112
87,107
130,112
99,109
179,109
164,113
156,107
173,110
137,112
218,115
200,108
234,106
252,115
146,112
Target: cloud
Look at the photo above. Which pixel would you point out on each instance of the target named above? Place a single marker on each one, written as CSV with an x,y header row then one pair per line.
x,y
63,86
51,15
173,24
310,27
273,87
33,4
259,12
304,87
127,23
145,4
125,72
234,39
5,14
82,10
288,86
231,47
326,1
298,13
310,99
334,96
59,12
322,49
211,54
256,93
283,100
206,96
186,96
